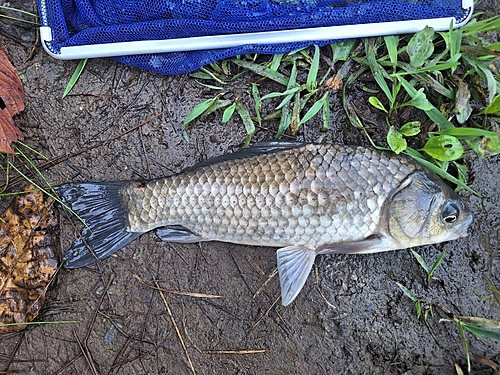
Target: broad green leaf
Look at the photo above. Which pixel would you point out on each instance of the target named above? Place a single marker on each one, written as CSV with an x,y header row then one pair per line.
x,y
466,133
74,77
228,112
444,148
395,140
488,24
493,108
410,129
292,83
315,108
312,76
200,75
495,46
418,306
420,47
373,100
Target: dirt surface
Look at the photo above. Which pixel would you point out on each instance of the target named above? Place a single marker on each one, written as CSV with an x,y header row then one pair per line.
x,y
350,318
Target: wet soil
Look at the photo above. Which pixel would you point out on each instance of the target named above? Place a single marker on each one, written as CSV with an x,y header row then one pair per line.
x,y
350,318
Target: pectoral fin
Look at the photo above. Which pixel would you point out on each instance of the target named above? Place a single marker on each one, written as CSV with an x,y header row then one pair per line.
x,y
294,266
177,233
372,244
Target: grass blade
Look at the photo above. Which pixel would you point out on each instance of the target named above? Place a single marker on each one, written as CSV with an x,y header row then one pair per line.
x,y
466,133
420,261
377,71
315,108
443,174
258,102
74,78
391,42
262,71
247,121
326,114
437,263
312,76
228,112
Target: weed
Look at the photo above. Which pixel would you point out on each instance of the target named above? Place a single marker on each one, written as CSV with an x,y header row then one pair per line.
x,y
429,270
482,328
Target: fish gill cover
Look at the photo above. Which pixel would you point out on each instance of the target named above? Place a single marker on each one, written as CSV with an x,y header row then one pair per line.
x,y
89,22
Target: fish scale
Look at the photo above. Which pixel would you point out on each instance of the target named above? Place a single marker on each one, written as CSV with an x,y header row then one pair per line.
x,y
315,194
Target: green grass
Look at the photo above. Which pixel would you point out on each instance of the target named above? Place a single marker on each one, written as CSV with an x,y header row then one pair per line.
x,y
8,13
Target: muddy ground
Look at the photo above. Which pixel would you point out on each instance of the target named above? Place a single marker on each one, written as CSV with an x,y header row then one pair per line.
x,y
350,318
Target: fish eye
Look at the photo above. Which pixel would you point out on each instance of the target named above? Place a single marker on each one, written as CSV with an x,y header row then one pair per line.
x,y
450,212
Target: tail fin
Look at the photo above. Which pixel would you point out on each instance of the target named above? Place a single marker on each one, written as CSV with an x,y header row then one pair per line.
x,y
99,205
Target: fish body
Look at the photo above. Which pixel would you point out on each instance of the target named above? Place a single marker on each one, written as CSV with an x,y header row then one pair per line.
x,y
304,198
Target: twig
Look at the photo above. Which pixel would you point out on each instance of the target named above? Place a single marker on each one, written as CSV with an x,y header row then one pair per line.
x,y
68,364
275,272
175,326
189,294
267,312
13,354
86,354
252,351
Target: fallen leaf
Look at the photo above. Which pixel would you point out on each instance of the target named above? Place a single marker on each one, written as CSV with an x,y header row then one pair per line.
x,y
11,103
28,262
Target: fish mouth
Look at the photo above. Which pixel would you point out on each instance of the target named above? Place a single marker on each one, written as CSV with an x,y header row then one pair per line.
x,y
462,231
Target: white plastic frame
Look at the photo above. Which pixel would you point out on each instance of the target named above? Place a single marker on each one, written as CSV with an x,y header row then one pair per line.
x,y
234,40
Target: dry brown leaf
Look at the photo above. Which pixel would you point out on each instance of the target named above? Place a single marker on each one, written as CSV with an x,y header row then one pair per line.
x,y
11,103
28,240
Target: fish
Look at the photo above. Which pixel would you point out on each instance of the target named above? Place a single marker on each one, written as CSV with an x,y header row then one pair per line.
x,y
305,199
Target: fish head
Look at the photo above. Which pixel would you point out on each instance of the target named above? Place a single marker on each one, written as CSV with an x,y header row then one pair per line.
x,y
424,210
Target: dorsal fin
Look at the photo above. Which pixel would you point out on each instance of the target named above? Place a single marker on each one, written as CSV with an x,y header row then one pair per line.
x,y
259,148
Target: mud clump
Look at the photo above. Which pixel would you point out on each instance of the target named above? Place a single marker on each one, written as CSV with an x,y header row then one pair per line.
x,y
28,240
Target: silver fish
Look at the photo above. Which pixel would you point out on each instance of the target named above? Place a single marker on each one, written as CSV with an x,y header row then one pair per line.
x,y
307,199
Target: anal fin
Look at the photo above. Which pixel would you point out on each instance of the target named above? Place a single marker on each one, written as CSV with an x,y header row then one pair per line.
x,y
294,265
177,233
